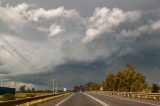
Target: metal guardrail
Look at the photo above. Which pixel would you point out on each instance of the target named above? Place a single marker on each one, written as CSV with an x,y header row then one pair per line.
x,y
30,101
139,95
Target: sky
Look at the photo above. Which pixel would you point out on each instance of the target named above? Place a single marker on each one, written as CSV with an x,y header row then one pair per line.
x,y
77,41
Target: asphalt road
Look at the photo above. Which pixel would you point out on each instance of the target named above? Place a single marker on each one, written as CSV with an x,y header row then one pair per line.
x,y
77,99
120,101
92,99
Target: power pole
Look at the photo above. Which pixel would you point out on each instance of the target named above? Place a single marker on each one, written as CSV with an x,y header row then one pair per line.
x,y
56,87
53,85
15,85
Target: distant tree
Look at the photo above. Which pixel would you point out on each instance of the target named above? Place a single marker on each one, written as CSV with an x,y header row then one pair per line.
x,y
22,88
28,90
76,89
155,88
91,86
109,82
81,87
33,90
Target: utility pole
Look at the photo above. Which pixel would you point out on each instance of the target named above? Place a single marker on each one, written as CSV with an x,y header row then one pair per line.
x,y
4,82
56,86
15,84
53,85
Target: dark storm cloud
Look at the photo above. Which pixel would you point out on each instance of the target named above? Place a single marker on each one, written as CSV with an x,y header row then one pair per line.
x,y
72,62
1,63
68,75
4,72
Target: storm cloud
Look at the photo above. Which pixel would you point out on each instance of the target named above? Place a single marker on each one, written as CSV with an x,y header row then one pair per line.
x,y
78,43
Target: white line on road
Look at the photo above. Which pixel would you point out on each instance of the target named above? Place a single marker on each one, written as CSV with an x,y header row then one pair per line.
x,y
131,100
64,100
104,104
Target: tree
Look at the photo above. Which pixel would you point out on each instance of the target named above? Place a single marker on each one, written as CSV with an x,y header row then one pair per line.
x,y
129,67
139,82
33,90
128,80
104,85
28,90
22,88
110,81
91,86
76,89
120,81
155,88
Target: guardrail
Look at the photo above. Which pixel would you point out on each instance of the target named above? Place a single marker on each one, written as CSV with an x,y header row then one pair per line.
x,y
139,95
31,101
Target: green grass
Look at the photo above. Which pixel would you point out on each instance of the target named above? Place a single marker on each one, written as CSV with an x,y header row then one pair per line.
x,y
25,95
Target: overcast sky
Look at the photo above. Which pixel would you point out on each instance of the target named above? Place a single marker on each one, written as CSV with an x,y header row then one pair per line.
x,y
77,41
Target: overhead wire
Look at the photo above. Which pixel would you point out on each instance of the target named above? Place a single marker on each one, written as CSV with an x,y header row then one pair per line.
x,y
18,54
3,46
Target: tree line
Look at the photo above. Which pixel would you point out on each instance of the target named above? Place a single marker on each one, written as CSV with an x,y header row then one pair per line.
x,y
125,80
128,80
22,89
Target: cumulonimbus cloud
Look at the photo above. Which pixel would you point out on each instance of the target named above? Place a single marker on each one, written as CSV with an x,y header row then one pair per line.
x,y
21,14
151,27
105,19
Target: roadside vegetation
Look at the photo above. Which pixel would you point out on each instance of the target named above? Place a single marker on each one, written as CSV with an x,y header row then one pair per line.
x,y
126,80
7,97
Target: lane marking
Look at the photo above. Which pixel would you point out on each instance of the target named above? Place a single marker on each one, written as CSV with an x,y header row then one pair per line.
x,y
99,101
131,100
64,100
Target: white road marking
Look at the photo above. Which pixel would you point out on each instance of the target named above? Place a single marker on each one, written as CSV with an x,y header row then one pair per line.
x,y
64,100
131,100
99,101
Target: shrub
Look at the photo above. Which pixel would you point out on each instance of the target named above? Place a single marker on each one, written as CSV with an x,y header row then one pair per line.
x,y
155,88
7,97
31,95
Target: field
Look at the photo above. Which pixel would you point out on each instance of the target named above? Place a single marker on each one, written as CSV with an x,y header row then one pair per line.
x,y
25,95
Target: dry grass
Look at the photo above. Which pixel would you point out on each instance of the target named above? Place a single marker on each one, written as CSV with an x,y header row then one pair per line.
x,y
25,95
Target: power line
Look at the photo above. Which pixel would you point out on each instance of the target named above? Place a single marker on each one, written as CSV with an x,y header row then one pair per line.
x,y
12,54
18,52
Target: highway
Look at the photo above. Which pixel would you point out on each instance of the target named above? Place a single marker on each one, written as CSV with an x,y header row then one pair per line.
x,y
92,99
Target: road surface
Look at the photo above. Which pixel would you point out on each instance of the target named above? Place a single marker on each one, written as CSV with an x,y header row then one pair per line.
x,y
92,99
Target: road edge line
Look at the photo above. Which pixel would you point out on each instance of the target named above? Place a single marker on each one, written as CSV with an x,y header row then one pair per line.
x,y
64,100
97,100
